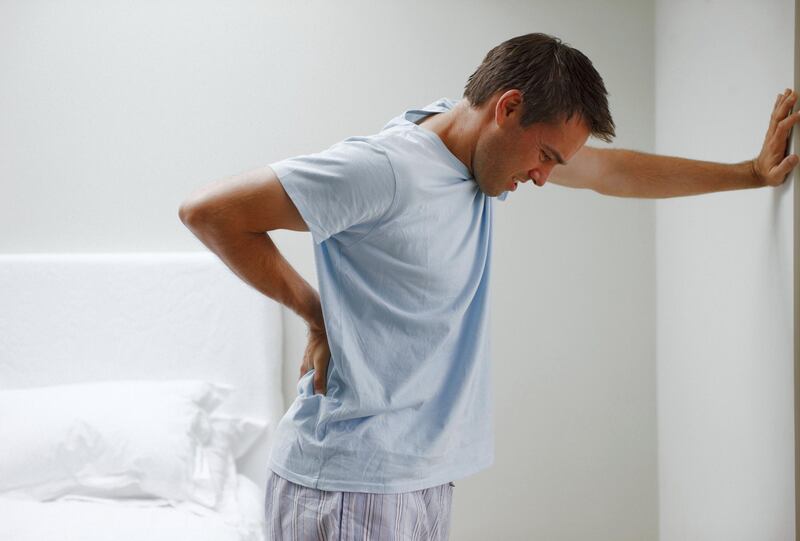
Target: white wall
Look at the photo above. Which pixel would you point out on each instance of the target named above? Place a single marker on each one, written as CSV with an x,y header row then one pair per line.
x,y
724,279
115,111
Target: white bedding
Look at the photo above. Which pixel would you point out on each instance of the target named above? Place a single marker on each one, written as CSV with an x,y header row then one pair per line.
x,y
84,518
77,318
69,318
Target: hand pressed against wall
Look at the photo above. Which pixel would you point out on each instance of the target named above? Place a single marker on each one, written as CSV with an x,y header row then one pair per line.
x,y
771,167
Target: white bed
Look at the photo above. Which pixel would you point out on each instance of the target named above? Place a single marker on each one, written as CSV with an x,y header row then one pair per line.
x,y
72,318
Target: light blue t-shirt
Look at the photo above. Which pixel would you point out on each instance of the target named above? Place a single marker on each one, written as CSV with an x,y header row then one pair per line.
x,y
402,246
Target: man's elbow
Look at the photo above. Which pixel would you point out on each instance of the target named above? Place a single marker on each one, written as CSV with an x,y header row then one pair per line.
x,y
187,214
195,217
184,212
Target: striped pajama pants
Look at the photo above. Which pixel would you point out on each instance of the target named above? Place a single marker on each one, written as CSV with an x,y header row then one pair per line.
x,y
298,513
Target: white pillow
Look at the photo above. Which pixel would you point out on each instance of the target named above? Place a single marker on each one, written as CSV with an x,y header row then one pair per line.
x,y
231,438
113,439
241,431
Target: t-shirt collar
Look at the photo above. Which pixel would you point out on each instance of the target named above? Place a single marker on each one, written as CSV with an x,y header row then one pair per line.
x,y
439,106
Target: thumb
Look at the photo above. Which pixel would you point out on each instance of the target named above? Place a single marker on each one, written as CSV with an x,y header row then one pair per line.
x,y
319,382
786,165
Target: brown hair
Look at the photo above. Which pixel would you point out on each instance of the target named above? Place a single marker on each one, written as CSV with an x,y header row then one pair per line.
x,y
555,79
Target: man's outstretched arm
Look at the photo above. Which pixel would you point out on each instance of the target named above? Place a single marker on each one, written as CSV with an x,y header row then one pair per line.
x,y
629,173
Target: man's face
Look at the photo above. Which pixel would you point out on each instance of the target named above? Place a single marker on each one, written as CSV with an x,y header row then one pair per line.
x,y
507,152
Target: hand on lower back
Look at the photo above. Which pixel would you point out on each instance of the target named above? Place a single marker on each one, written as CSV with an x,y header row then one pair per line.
x,y
316,356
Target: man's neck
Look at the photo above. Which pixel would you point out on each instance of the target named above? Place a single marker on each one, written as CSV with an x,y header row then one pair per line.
x,y
428,120
453,128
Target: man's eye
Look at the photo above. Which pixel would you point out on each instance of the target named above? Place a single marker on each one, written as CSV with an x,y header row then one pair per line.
x,y
545,158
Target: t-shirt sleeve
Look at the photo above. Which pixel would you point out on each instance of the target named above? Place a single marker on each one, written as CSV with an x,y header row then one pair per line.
x,y
349,186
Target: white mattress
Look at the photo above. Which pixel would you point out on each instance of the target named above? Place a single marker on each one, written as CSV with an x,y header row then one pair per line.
x,y
95,519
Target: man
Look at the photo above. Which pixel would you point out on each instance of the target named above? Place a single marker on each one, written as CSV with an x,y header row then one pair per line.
x,y
394,393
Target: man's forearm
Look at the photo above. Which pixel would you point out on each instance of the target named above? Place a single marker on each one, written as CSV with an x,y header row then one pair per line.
x,y
256,260
638,174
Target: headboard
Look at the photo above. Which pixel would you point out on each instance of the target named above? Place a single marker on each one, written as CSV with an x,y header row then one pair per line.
x,y
67,318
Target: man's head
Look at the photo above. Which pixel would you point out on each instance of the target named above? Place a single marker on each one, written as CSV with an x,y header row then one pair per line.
x,y
539,100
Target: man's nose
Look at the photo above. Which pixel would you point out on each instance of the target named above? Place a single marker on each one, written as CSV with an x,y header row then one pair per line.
x,y
540,175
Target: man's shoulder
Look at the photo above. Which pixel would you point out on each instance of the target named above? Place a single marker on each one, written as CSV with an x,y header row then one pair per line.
x,y
392,143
